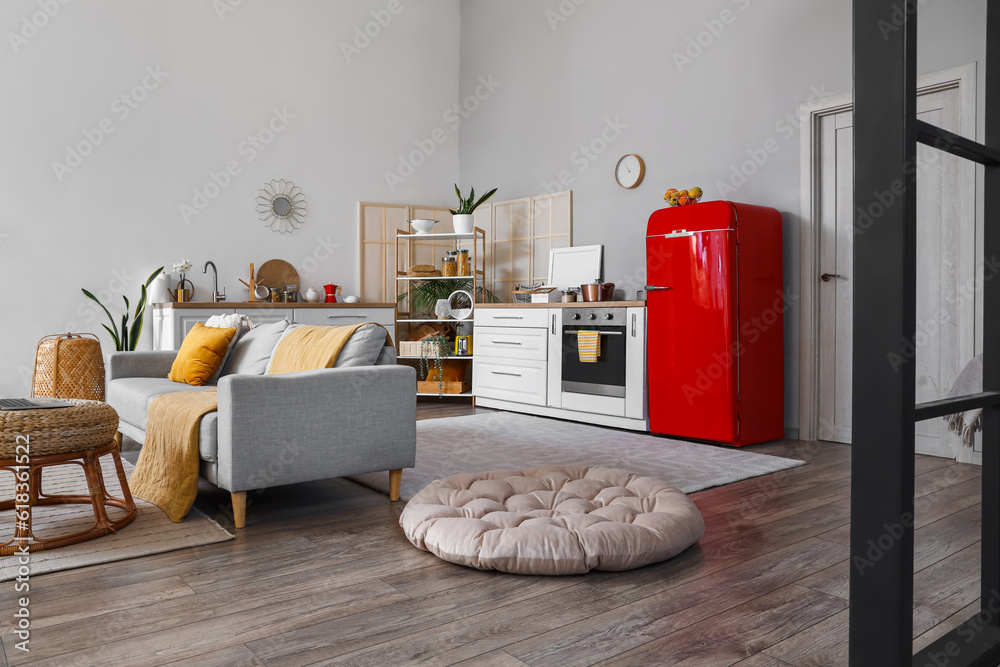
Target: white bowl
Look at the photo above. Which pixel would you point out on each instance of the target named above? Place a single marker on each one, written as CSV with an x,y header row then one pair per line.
x,y
352,299
423,225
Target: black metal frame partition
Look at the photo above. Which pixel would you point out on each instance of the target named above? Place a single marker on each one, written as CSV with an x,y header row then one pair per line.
x,y
886,133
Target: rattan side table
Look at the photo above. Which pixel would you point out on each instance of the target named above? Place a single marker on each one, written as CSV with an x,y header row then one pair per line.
x,y
78,435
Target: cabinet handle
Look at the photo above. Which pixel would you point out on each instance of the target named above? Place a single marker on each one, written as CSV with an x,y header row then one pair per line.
x,y
505,342
345,317
508,317
634,316
553,324
517,375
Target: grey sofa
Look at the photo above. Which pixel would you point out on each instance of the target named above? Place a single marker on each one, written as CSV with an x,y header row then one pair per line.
x,y
271,430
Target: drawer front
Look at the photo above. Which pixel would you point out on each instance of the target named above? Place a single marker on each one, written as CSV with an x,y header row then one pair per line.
x,y
345,316
511,317
519,381
511,343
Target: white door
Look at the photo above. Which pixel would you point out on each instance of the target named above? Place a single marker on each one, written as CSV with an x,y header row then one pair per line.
x,y
946,273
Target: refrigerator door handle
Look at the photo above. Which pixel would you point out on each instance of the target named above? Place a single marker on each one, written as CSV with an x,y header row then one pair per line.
x,y
656,288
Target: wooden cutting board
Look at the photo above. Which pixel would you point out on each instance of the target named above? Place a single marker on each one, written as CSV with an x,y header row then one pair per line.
x,y
277,273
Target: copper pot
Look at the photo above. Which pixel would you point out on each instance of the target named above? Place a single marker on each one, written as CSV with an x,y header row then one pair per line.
x,y
598,291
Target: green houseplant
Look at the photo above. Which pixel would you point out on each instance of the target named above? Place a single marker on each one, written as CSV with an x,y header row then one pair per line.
x,y
424,294
126,339
462,216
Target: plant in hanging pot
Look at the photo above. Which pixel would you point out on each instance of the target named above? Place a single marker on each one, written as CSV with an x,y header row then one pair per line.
x,y
462,216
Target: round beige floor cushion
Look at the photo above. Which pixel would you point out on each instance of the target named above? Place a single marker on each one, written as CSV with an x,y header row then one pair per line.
x,y
552,520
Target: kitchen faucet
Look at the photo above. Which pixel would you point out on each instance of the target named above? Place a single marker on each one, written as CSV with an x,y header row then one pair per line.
x,y
216,297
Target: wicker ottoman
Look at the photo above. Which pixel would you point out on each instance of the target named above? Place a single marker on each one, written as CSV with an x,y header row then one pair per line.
x,y
78,435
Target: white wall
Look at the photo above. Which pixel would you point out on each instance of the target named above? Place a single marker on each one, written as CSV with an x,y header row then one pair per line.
x,y
567,66
117,213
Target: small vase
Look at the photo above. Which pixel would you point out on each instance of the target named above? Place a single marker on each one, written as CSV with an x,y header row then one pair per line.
x,y
463,223
441,309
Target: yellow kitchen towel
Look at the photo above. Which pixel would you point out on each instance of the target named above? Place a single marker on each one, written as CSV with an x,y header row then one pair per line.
x,y
588,344
166,473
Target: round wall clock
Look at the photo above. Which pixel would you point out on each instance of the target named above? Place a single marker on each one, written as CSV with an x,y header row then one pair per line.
x,y
629,171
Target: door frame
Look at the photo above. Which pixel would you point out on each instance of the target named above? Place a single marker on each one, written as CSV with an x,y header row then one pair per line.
x,y
811,114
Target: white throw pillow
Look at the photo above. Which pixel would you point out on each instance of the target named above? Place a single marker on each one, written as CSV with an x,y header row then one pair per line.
x,y
242,323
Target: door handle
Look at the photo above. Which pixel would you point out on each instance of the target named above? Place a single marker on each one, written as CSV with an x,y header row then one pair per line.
x,y
655,288
553,324
634,316
827,277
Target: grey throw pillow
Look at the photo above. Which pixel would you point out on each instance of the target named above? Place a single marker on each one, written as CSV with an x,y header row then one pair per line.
x,y
363,348
253,351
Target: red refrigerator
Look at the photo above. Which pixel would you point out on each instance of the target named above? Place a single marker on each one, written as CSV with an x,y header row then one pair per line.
x,y
715,336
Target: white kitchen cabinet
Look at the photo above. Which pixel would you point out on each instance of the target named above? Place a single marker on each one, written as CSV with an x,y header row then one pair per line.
x,y
635,356
518,380
519,359
172,322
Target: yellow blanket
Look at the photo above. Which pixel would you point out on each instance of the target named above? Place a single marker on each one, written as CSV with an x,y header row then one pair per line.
x,y
309,348
166,473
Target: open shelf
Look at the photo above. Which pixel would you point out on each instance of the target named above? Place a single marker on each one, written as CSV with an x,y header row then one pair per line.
x,y
410,236
466,394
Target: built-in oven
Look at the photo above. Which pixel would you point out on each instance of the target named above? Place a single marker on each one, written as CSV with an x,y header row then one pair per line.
x,y
606,376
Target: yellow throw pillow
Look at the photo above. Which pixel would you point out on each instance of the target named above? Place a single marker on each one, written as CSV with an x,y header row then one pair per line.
x,y
201,354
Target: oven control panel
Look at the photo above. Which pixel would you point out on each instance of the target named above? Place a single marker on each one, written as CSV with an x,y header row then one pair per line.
x,y
603,316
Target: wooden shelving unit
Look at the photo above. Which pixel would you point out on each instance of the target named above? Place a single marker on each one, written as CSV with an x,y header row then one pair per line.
x,y
407,247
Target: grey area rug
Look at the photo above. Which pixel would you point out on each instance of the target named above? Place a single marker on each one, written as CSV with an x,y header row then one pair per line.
x,y
512,441
150,533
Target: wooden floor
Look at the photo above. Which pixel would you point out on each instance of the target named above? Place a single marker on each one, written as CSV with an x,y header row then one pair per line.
x,y
323,575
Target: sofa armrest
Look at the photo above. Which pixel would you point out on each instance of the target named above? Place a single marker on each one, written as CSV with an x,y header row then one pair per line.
x,y
298,427
147,364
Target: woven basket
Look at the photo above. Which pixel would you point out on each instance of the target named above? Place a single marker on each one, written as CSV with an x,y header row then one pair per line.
x,y
58,430
69,366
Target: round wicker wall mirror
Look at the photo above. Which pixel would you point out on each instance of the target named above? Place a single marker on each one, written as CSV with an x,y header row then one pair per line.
x,y
281,206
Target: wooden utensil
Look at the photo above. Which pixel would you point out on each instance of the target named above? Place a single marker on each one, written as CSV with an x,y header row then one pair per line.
x,y
276,273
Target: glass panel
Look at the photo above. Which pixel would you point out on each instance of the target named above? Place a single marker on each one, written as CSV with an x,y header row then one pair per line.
x,y
561,214
543,217
520,222
373,223
502,222
395,218
372,278
501,265
390,274
541,260
522,266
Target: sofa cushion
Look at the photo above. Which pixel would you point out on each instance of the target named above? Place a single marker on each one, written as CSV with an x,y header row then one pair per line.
x,y
131,396
252,352
242,324
363,348
387,357
201,354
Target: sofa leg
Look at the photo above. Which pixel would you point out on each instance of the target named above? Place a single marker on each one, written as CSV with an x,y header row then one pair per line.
x,y
395,481
240,508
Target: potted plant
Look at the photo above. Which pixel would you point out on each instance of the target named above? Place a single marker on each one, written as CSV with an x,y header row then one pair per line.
x,y
126,339
424,295
462,216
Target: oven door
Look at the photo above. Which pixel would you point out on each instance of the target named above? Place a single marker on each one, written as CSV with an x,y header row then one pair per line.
x,y
606,377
